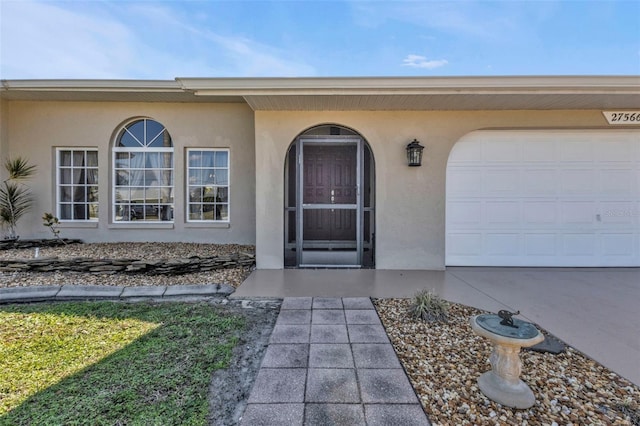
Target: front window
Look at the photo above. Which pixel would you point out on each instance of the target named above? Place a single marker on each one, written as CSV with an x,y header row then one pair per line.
x,y
77,184
143,173
208,185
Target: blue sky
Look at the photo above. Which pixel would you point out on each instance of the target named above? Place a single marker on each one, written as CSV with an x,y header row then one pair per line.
x,y
168,39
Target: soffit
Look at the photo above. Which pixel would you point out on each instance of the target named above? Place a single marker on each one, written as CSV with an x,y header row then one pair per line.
x,y
447,102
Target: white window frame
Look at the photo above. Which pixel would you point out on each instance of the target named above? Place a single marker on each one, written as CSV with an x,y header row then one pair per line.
x,y
59,185
189,186
142,149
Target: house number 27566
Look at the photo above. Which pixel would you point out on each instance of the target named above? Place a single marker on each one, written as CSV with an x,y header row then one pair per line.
x,y
622,117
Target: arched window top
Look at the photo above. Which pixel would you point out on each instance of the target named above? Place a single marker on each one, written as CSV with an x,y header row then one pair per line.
x,y
144,133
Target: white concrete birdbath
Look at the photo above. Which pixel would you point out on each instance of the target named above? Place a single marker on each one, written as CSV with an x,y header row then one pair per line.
x,y
502,384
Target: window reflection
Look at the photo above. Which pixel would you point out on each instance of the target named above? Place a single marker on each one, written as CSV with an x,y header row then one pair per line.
x,y
143,170
208,185
77,184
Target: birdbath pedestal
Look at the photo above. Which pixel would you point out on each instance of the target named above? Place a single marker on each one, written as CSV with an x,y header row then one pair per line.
x,y
503,384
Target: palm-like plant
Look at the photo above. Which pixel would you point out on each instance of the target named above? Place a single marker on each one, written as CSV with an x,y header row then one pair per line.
x,y
15,196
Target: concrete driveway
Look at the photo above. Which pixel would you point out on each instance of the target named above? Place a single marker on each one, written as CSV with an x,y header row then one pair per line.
x,y
595,310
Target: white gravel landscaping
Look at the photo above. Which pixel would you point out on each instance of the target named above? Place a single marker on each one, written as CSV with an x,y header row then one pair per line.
x,y
444,360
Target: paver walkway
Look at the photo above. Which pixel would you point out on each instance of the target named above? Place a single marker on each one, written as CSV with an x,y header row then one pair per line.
x,y
330,362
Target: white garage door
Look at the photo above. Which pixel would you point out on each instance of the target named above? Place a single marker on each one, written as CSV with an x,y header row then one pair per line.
x,y
544,198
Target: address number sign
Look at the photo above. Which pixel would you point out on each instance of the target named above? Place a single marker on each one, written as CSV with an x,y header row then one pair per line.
x,y
622,117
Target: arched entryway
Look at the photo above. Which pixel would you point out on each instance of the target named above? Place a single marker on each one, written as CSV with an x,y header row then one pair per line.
x,y
329,200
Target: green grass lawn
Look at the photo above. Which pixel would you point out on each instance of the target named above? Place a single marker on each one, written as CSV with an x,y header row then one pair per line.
x,y
105,363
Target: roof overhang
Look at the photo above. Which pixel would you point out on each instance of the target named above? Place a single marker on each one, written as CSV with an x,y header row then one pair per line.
x,y
104,91
354,93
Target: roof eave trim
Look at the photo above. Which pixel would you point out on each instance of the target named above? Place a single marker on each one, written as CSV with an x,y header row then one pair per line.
x,y
92,85
364,85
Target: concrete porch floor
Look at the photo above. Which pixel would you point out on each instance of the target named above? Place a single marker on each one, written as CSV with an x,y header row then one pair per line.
x,y
595,310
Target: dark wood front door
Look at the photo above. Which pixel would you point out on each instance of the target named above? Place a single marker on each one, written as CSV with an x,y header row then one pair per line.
x,y
330,178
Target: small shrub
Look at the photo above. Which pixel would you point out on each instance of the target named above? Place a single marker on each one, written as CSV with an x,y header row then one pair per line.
x,y
15,196
428,306
52,222
630,411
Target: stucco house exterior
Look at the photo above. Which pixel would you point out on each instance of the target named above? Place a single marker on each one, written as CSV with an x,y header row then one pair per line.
x,y
516,171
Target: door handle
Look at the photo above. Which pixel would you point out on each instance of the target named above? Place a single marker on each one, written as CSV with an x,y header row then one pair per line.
x,y
333,196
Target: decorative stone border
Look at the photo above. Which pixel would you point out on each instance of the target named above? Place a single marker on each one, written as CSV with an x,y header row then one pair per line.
x,y
97,292
128,266
24,244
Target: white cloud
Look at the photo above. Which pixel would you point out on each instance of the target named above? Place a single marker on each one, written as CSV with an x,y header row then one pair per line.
x,y
41,40
248,58
120,40
230,55
418,61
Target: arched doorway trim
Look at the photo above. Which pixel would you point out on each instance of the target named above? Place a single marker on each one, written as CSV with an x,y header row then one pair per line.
x,y
329,200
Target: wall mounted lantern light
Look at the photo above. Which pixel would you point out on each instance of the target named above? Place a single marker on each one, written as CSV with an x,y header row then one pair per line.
x,y
414,153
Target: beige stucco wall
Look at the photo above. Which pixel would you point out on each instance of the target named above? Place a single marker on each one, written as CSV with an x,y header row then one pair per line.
x,y
4,113
410,207
34,129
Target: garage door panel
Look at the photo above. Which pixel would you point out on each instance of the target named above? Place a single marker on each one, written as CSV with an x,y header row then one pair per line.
x,y
618,244
536,182
464,214
575,149
618,181
616,151
540,244
539,150
501,182
578,245
465,244
501,151
545,198
466,152
540,213
502,244
502,213
466,181
576,181
578,213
